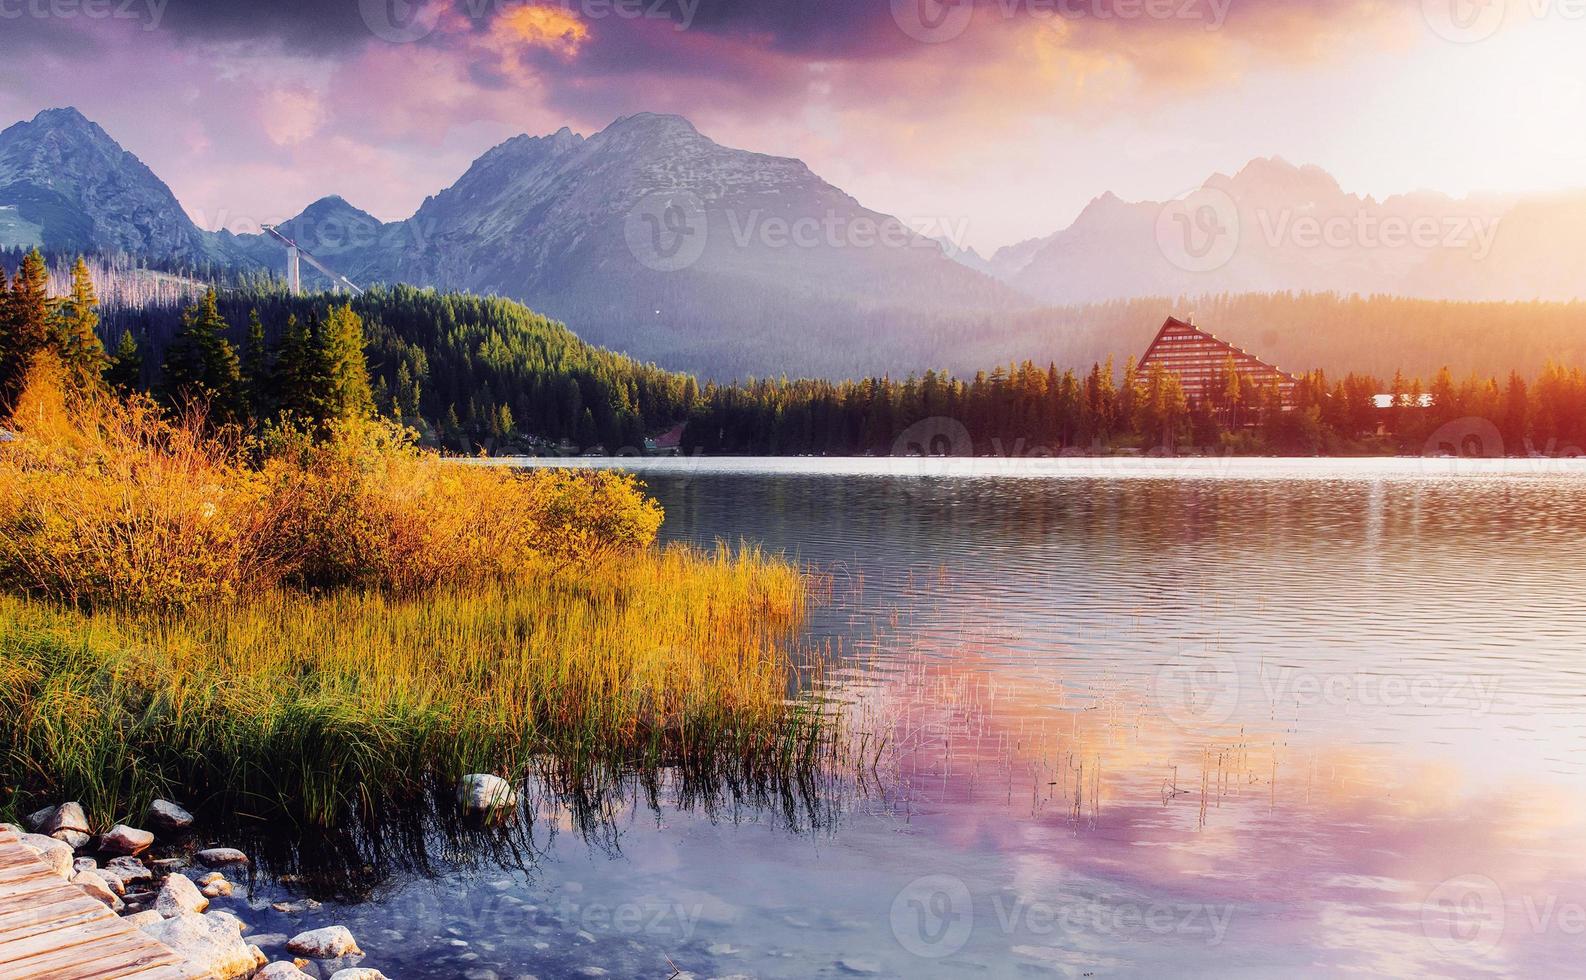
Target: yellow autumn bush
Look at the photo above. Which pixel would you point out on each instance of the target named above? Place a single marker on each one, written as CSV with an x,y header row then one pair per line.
x,y
105,500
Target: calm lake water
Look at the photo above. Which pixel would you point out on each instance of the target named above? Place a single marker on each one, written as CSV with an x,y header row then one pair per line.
x,y
1146,717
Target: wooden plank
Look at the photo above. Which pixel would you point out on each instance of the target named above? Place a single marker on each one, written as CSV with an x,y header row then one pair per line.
x,y
51,929
49,923
90,935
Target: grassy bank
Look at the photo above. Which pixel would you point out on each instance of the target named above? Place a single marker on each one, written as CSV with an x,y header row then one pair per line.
x,y
307,628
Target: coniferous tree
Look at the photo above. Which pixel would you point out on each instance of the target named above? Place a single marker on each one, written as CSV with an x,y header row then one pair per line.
x,y
256,369
125,372
201,367
27,327
345,370
300,382
77,332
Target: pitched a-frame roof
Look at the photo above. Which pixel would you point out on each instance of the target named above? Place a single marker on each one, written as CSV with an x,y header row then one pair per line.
x,y
1198,357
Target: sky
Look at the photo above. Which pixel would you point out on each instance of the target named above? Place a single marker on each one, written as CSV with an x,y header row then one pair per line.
x,y
994,120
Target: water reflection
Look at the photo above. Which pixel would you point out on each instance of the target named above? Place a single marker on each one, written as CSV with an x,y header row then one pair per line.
x,y
1271,718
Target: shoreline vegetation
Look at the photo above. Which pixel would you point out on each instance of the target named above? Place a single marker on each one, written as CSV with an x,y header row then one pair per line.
x,y
475,374
316,619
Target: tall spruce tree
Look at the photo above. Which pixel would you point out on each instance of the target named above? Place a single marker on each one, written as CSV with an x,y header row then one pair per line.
x,y
340,350
256,370
27,326
125,372
202,367
77,332
299,378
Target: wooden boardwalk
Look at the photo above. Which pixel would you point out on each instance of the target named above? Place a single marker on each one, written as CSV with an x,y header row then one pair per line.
x,y
51,930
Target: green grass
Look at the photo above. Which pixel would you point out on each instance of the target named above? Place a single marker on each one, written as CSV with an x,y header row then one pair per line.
x,y
317,707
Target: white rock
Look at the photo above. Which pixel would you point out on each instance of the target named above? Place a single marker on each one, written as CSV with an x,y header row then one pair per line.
x,y
97,887
324,944
15,829
122,839
482,793
215,885
167,816
84,864
280,971
69,824
358,973
229,919
179,896
56,854
220,857
209,943
142,919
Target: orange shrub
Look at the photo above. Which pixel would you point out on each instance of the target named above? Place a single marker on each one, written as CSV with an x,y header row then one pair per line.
x,y
107,500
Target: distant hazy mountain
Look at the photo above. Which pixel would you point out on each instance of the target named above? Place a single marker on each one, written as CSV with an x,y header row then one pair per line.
x,y
1278,227
652,239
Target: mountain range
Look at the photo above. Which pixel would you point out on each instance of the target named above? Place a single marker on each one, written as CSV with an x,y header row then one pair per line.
x,y
651,238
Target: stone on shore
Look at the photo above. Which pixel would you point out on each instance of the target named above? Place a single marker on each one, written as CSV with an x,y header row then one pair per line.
x,y
324,944
97,887
125,840
56,854
178,896
35,821
167,816
281,971
129,869
68,824
210,943
221,857
215,885
484,794
358,973
146,918
84,864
